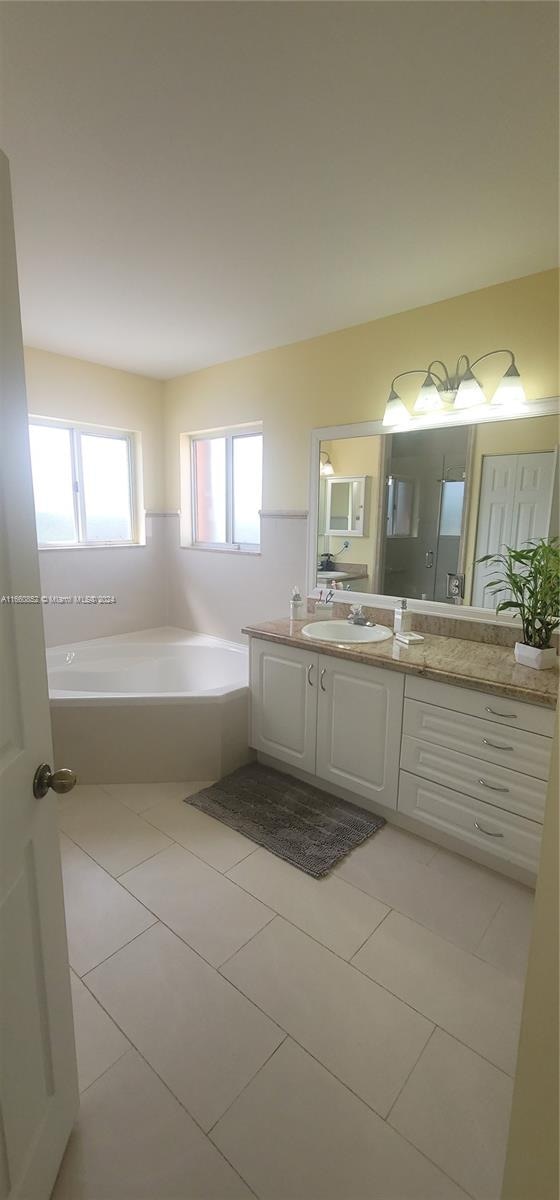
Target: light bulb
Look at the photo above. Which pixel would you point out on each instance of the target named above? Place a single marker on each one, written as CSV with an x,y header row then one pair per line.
x,y
469,392
395,411
510,392
428,398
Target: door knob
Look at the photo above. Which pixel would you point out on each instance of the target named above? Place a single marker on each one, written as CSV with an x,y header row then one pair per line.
x,y
60,781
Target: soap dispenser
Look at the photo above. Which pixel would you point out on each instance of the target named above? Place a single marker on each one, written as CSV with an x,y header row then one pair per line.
x,y
296,604
403,619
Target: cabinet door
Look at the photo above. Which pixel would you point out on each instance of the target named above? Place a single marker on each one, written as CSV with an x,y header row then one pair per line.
x,y
359,729
284,682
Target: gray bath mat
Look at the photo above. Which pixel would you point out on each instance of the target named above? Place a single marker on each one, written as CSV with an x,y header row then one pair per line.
x,y
300,823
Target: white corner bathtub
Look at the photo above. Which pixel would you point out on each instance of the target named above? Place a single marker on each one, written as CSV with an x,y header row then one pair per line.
x,y
156,706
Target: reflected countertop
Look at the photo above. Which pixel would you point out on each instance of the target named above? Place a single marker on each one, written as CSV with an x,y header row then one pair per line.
x,y
444,659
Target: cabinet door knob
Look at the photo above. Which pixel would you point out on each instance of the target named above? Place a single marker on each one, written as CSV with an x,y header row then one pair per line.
x,y
309,670
322,676
487,832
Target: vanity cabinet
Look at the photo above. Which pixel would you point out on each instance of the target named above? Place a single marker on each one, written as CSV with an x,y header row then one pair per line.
x,y
336,719
468,766
474,767
359,729
284,703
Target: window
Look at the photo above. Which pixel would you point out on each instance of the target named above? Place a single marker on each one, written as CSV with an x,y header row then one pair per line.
x,y
227,490
83,483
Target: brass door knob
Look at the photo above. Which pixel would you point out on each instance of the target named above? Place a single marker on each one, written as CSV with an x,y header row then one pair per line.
x,y
60,781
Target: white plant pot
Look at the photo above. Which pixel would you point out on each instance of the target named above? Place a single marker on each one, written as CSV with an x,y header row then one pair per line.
x,y
529,656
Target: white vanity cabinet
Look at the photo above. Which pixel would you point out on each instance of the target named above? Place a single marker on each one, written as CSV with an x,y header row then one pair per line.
x,y
359,729
284,703
336,719
474,767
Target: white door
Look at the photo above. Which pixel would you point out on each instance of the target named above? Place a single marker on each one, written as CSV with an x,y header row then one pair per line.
x,y
515,506
284,682
38,1084
359,729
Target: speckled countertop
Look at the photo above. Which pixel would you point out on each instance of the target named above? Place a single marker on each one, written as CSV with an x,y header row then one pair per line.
x,y
444,659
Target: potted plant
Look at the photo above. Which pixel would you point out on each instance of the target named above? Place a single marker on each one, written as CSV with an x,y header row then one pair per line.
x,y
532,577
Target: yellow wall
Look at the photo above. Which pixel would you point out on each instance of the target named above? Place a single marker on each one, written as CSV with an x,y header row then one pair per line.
x,y
81,391
506,437
531,1171
345,376
358,456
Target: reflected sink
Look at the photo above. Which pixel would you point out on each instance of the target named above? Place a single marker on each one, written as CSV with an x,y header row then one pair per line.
x,y
344,633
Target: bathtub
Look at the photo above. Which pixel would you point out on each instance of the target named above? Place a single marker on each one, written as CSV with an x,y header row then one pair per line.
x,y
163,705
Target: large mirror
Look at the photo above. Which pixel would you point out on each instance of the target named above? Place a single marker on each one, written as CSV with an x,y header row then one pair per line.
x,y
408,514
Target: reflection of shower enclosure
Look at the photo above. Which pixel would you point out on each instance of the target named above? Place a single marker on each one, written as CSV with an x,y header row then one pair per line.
x,y
425,499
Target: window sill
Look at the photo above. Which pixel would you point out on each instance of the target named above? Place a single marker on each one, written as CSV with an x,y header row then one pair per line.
x,y
222,550
95,546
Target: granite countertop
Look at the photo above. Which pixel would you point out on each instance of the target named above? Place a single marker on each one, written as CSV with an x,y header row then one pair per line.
x,y
444,659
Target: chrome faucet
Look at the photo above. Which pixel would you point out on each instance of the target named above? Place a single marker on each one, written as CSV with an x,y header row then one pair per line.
x,y
356,616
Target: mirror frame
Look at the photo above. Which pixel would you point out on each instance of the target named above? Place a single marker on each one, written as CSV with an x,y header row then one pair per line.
x,y
548,407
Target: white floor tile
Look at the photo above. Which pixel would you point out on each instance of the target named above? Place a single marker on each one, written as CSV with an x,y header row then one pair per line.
x,y
298,1134
114,836
141,796
98,1041
205,908
330,910
209,839
203,1038
101,916
452,905
133,1141
467,997
507,939
455,1108
366,1037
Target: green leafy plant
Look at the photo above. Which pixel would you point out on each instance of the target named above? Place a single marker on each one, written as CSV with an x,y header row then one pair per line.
x,y
533,578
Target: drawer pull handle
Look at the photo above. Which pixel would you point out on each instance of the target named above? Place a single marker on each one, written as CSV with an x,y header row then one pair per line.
x,y
493,786
494,745
508,716
323,673
309,670
487,832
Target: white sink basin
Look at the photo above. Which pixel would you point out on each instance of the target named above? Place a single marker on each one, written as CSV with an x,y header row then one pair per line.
x,y
344,633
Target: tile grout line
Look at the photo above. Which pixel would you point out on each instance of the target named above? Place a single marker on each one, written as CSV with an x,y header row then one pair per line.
x,y
412,1069
349,962
133,1048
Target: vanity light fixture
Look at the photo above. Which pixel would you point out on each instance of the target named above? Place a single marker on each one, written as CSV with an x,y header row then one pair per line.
x,y
442,392
326,467
395,412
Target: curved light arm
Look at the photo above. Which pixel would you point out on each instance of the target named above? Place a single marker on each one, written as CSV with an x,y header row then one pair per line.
x,y
491,352
420,371
440,363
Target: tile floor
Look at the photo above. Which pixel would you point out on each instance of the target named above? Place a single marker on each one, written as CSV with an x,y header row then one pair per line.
x,y
243,1029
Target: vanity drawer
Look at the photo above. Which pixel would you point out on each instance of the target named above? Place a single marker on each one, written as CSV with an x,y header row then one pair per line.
x,y
517,750
507,836
492,784
516,713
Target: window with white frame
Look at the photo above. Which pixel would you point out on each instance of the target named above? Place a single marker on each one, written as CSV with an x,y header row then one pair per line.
x,y
83,483
226,475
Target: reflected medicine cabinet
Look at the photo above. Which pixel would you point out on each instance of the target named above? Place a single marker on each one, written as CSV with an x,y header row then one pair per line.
x,y
345,503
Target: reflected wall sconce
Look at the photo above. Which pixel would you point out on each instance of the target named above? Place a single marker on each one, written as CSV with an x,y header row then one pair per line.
x,y
442,392
325,464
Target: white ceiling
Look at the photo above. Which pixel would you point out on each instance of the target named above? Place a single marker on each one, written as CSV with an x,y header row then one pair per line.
x,y
196,182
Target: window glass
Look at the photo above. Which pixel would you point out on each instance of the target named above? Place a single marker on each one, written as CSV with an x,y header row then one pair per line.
x,y
210,489
451,508
247,488
106,486
53,486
